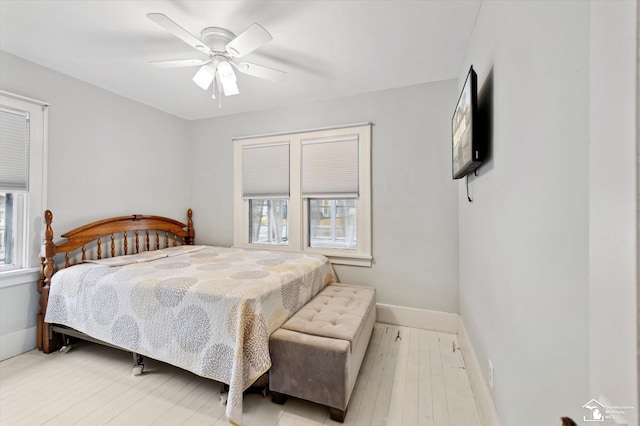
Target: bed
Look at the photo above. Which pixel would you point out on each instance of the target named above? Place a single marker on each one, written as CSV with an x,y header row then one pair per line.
x,y
153,292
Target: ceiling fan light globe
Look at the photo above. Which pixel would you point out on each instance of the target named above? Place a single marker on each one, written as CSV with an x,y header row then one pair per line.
x,y
204,77
225,72
230,88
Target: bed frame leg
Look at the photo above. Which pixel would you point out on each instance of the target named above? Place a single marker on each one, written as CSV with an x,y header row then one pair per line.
x,y
46,340
224,394
66,345
138,365
278,398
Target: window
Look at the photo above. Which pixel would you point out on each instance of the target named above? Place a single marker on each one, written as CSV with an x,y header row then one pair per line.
x,y
307,191
22,187
12,229
268,224
332,223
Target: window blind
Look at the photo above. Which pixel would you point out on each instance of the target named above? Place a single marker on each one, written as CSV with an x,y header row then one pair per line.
x,y
14,150
265,171
330,167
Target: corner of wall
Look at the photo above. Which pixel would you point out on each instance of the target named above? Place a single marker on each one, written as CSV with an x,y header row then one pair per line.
x,y
482,393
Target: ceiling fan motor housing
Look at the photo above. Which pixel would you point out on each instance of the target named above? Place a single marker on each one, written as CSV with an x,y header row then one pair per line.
x,y
216,38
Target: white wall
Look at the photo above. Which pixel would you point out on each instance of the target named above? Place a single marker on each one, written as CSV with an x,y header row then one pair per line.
x,y
526,264
414,199
108,156
613,254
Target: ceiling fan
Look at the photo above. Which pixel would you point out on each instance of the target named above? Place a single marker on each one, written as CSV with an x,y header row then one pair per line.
x,y
222,48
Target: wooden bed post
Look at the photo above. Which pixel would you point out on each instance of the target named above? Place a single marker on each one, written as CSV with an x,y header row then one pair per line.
x,y
190,230
44,340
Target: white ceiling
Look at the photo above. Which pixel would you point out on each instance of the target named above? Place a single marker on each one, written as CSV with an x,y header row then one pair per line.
x,y
328,48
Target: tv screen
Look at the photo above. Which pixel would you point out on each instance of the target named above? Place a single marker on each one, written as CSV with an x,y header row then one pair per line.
x,y
466,155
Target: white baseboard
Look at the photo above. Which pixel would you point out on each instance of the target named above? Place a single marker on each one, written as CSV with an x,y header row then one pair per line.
x,y
443,322
18,342
480,387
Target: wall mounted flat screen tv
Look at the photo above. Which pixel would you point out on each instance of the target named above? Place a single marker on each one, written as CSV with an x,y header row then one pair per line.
x,y
466,149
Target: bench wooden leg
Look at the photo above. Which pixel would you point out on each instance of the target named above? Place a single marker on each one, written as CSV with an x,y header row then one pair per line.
x,y
337,415
278,398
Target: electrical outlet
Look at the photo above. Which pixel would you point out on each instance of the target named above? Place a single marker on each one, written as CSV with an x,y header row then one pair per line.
x,y
490,375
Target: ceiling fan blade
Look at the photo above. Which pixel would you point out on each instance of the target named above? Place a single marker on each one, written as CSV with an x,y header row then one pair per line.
x,y
179,32
248,41
180,63
261,71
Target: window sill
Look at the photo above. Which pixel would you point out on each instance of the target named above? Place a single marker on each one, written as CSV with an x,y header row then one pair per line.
x,y
342,257
19,277
351,261
334,258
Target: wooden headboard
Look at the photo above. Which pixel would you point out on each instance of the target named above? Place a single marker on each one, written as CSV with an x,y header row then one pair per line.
x,y
142,232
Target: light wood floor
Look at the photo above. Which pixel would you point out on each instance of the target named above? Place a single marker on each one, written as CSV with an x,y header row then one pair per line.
x,y
408,377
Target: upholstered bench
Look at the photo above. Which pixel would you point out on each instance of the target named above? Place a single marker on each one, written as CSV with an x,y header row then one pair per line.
x,y
317,353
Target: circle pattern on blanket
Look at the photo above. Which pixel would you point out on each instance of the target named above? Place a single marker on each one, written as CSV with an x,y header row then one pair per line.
x,y
212,291
173,265
57,308
170,292
270,262
191,329
294,255
234,257
201,260
277,318
93,275
255,347
105,305
290,291
217,362
159,332
125,332
130,274
203,255
214,267
249,275
143,302
281,268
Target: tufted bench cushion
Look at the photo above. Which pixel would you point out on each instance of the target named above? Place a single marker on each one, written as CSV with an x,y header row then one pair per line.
x,y
317,353
338,312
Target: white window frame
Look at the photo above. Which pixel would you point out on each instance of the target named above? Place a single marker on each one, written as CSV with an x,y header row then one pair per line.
x,y
298,215
30,219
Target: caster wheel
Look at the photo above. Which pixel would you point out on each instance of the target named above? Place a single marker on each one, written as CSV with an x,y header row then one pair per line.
x,y
224,394
223,398
137,370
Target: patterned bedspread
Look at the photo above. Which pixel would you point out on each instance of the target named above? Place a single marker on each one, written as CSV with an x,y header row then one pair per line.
x,y
209,310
